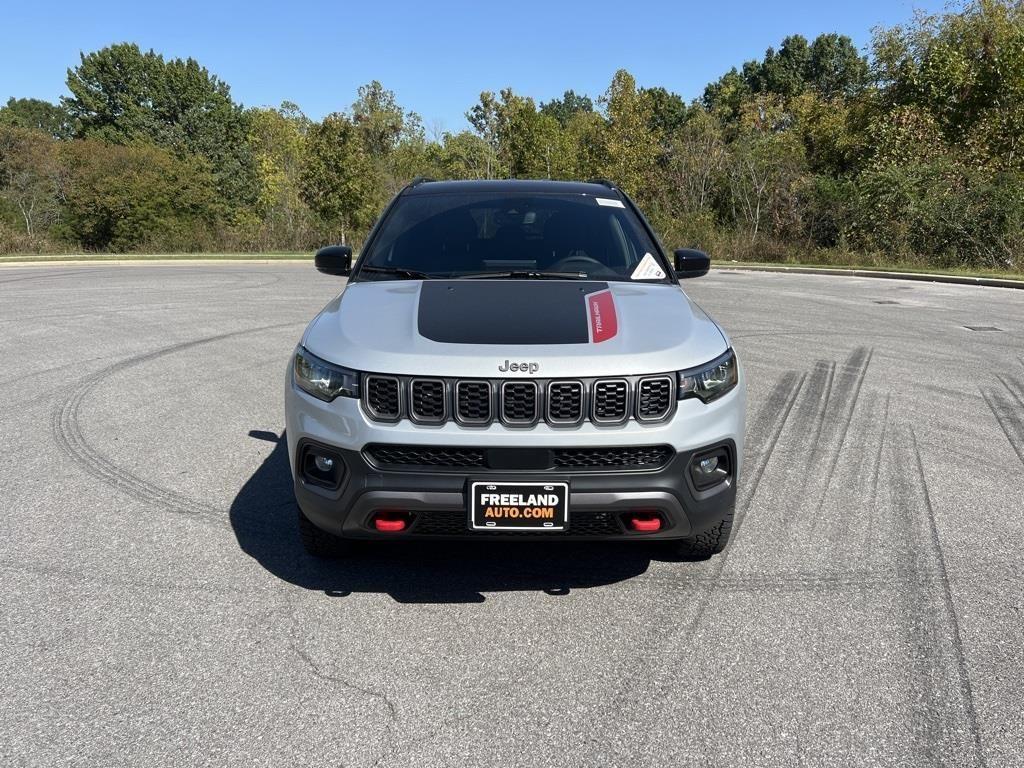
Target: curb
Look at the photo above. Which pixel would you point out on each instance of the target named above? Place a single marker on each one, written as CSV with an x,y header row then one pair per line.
x,y
927,277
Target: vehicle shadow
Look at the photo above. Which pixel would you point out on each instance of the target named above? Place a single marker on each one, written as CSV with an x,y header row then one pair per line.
x,y
263,517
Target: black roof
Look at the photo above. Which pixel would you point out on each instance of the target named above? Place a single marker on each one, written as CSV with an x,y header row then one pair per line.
x,y
511,187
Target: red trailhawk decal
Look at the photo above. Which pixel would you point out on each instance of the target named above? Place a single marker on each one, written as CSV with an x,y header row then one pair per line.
x,y
601,313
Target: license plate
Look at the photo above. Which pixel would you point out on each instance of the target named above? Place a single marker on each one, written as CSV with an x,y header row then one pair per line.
x,y
519,506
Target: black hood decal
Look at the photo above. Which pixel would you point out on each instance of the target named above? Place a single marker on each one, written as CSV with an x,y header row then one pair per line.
x,y
506,311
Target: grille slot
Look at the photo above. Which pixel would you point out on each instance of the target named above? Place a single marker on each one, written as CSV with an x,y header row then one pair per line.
x,y
473,402
565,402
413,456
611,398
654,398
427,401
630,457
519,402
383,397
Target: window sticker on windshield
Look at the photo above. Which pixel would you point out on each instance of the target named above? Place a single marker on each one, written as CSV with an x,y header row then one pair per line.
x,y
609,202
647,269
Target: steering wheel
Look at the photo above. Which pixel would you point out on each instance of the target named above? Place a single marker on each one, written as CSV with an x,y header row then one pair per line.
x,y
564,264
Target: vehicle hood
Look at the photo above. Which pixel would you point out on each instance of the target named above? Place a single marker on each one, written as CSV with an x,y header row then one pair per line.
x,y
470,328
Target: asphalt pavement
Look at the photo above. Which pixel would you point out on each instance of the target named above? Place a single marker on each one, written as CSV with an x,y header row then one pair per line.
x,y
157,609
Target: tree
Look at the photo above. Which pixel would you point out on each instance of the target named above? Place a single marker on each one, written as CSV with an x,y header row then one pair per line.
x,y
381,121
667,111
30,176
122,198
525,143
835,68
39,115
630,147
121,95
462,155
278,139
484,118
725,95
338,181
967,70
565,108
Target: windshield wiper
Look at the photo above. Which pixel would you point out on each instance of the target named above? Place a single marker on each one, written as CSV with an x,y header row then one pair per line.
x,y
411,274
524,274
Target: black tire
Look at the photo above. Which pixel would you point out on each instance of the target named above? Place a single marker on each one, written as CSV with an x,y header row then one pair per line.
x,y
320,543
707,543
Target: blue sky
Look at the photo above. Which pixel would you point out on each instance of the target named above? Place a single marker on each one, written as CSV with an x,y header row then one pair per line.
x,y
436,56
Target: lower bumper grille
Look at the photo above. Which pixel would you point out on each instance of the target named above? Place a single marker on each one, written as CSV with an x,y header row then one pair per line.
x,y
433,458
454,523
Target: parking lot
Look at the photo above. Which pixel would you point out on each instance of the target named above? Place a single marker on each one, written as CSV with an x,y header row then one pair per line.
x,y
158,610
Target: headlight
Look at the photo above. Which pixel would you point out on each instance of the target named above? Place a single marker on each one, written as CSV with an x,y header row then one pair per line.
x,y
323,380
710,381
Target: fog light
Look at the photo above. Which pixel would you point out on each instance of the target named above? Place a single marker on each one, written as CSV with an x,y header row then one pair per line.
x,y
321,467
706,466
710,468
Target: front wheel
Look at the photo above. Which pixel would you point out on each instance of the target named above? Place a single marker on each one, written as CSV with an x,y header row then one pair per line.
x,y
706,543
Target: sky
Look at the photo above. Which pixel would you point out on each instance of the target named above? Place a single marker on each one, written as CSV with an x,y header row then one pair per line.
x,y
436,56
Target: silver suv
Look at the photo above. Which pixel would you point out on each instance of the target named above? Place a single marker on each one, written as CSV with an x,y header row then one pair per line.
x,y
514,359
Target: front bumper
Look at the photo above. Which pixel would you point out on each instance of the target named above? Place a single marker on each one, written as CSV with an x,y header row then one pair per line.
x,y
438,502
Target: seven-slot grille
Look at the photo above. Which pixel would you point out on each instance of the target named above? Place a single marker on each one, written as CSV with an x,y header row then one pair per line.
x,y
519,402
653,398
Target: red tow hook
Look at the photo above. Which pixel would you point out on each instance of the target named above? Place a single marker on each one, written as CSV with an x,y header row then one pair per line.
x,y
390,522
645,523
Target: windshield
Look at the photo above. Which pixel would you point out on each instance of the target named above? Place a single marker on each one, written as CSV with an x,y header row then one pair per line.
x,y
453,235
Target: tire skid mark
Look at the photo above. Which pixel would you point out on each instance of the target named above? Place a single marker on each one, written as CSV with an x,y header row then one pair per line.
x,y
641,684
847,395
70,439
1008,416
876,472
43,276
822,413
941,700
785,394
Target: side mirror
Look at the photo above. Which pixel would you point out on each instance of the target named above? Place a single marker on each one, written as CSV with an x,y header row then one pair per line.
x,y
691,263
334,260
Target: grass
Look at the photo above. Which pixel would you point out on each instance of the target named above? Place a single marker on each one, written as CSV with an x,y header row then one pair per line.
x,y
904,268
35,257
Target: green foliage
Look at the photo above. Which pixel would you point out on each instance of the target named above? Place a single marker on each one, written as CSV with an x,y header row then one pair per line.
x,y
630,148
811,151
338,181
565,108
31,178
125,198
39,115
122,95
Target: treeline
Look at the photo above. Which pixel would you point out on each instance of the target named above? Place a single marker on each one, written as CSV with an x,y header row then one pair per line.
x,y
912,154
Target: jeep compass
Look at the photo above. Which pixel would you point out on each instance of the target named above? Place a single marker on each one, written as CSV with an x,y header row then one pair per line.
x,y
514,360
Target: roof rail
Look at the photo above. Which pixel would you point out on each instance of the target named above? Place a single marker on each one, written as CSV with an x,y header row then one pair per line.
x,y
603,183
419,180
